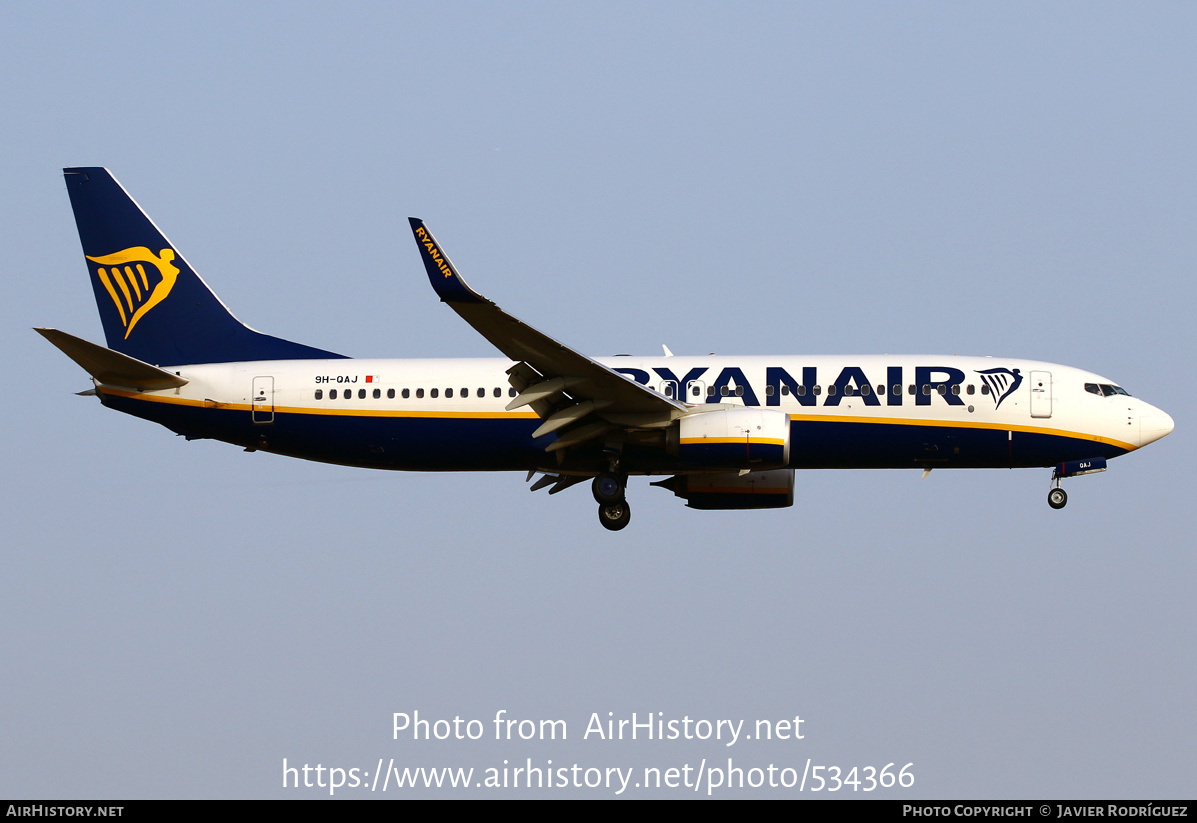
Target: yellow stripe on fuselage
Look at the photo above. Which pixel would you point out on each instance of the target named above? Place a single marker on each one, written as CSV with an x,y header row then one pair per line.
x,y
765,441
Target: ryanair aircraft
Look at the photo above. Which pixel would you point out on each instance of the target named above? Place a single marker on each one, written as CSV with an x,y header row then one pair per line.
x,y
722,432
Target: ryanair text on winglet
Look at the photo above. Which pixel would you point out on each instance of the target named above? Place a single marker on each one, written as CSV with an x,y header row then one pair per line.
x,y
433,252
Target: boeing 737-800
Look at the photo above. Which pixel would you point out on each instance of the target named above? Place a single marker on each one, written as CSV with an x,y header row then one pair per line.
x,y
722,432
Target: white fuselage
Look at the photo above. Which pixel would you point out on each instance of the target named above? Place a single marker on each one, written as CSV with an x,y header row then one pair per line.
x,y
957,408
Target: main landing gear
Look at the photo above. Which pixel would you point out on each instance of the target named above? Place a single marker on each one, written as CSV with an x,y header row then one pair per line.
x,y
614,511
615,516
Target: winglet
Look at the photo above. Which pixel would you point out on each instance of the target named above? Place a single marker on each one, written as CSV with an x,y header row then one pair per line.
x,y
444,278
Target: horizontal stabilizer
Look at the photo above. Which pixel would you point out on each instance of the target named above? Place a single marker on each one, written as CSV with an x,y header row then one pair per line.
x,y
111,367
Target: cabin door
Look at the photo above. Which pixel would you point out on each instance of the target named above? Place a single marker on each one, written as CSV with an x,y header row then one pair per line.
x,y
1041,394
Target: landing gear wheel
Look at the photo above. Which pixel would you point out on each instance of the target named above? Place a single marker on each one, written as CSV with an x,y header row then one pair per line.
x,y
615,516
1057,499
608,489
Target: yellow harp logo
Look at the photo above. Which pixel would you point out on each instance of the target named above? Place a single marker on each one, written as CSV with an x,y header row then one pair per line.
x,y
123,274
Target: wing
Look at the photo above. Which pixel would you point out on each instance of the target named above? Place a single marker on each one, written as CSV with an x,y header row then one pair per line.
x,y
575,395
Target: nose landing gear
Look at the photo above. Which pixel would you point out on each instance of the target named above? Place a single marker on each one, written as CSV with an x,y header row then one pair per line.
x,y
1056,498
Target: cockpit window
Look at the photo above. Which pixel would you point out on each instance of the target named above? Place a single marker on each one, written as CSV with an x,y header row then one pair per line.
x,y
1106,390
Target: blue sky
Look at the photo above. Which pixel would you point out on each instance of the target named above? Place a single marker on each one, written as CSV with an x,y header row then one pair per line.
x,y
1008,179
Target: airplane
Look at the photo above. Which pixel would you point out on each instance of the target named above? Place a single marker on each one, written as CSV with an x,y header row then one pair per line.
x,y
721,432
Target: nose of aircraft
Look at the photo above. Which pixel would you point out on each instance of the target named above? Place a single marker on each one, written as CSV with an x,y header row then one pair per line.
x,y
1153,424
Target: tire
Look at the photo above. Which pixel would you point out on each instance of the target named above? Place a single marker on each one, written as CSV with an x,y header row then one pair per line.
x,y
1057,498
615,516
607,489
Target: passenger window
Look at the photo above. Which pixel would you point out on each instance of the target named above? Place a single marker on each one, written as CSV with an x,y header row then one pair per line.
x,y
465,392
910,389
377,393
420,393
897,387
985,389
955,388
768,391
830,390
785,390
434,392
498,392
332,394
818,390
390,394
801,390
481,392
361,394
866,390
972,389
739,391
710,391
511,392
319,394
448,392
406,393
723,391
694,390
926,388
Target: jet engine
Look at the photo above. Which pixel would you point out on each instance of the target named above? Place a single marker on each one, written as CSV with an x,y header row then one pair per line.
x,y
731,490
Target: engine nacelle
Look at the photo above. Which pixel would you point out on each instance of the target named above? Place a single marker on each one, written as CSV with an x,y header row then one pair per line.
x,y
740,438
731,490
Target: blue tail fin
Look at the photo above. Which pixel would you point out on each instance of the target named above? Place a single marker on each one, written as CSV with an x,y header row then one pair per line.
x,y
153,306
